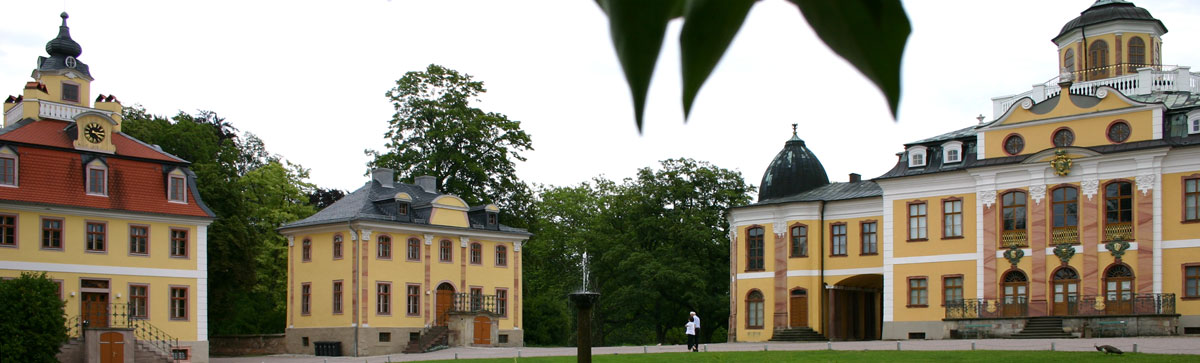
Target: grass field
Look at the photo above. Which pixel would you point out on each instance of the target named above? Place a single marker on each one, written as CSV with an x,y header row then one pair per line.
x,y
866,356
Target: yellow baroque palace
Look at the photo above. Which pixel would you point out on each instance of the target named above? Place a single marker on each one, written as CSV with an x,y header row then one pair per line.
x,y
1074,212
397,267
118,224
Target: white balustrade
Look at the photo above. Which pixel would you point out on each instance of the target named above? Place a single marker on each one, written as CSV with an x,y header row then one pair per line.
x,y
1145,81
59,111
12,115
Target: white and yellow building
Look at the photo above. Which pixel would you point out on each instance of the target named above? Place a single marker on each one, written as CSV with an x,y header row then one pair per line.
x,y
396,267
1080,199
117,223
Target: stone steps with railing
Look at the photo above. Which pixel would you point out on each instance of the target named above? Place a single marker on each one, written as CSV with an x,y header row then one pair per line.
x,y
146,336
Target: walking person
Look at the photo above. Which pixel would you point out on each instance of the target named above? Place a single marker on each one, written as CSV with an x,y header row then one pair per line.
x,y
691,335
696,319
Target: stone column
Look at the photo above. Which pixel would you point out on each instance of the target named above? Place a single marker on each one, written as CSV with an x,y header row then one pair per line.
x,y
1089,224
1144,233
780,320
991,238
1037,245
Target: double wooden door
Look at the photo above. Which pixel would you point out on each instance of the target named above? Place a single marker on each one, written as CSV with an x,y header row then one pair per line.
x,y
112,347
1066,297
1016,295
483,330
1119,295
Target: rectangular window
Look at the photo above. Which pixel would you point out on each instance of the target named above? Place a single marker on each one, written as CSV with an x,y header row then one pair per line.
x,y
139,240
337,297
385,337
176,190
916,222
97,178
870,239
179,243
414,249
952,221
799,241
445,253
1191,281
305,298
1191,199
952,289
491,219
383,298
337,247
501,256
139,301
476,298
306,250
8,230
52,231
502,302
838,240
179,303
95,237
918,294
70,92
401,209
383,249
414,300
8,170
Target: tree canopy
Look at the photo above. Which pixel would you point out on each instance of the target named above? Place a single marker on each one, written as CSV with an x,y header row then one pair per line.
x,y
32,320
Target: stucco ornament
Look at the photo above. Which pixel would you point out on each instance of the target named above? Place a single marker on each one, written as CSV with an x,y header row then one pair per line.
x,y
1099,306
1037,193
1145,183
1026,104
991,306
1014,254
1101,93
1064,251
1090,187
987,197
1117,247
1061,163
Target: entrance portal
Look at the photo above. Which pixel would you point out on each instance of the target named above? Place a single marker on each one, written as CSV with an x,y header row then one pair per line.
x,y
112,347
799,308
483,330
445,301
854,308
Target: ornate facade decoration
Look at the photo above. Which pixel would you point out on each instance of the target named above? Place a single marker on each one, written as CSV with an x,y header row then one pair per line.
x,y
1117,247
1014,254
1090,187
1101,93
1061,163
1064,251
987,197
1037,193
1145,183
991,306
1099,306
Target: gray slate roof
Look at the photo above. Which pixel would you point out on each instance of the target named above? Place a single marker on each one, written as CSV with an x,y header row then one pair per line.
x,y
830,192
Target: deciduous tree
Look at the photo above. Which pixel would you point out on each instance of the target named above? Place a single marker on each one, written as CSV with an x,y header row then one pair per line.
x,y
32,321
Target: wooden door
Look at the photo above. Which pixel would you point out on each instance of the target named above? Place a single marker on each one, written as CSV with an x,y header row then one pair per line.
x,y
483,330
94,309
1066,297
445,300
1119,295
799,309
1015,295
112,347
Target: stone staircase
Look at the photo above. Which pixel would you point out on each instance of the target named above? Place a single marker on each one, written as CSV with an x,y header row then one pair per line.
x,y
74,351
435,336
804,334
1043,327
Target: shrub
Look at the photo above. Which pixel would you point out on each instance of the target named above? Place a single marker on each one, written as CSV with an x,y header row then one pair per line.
x,y
32,320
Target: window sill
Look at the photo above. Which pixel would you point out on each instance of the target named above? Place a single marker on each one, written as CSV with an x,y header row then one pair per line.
x,y
139,254
916,306
58,249
869,254
1190,298
1189,221
177,201
839,256
184,257
9,245
98,252
954,237
383,258
918,240
758,270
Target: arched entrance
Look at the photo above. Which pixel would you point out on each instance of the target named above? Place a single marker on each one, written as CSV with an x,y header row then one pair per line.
x,y
1066,291
799,308
445,301
1016,293
854,308
1118,289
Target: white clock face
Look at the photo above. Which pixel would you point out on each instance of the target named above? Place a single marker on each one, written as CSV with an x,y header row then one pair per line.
x,y
71,62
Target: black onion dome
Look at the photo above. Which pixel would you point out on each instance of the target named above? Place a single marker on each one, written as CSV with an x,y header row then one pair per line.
x,y
1108,10
63,44
795,170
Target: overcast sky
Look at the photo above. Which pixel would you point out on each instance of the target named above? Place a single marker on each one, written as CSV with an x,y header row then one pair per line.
x,y
309,77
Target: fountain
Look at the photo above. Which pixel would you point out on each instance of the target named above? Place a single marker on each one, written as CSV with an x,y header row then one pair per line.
x,y
584,300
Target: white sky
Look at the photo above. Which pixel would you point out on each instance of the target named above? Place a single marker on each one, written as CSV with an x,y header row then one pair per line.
x,y
309,77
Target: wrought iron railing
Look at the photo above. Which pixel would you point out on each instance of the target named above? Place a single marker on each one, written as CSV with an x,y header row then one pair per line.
x,y
1018,237
1135,304
1115,231
1060,235
470,303
100,315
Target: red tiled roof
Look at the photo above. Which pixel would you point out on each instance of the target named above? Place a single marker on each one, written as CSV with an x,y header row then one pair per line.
x,y
51,133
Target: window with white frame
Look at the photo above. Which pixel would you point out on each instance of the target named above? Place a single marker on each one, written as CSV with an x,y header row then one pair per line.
x,y
952,152
1194,126
916,156
8,167
177,187
97,178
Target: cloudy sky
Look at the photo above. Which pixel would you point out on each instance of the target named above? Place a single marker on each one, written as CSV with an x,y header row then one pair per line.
x,y
309,77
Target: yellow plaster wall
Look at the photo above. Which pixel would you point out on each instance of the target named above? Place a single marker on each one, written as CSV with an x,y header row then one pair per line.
x,y
321,271
812,259
813,285
768,247
1174,228
490,277
936,243
448,217
1173,260
766,286
74,231
1091,131
53,93
933,272
853,257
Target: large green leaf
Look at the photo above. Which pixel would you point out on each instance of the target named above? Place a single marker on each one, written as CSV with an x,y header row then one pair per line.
x,y
709,26
638,28
870,34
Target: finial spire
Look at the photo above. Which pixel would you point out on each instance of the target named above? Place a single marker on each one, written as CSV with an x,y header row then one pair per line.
x,y
64,16
794,129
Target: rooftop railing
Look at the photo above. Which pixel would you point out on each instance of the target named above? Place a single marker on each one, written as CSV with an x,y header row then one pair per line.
x,y
1144,80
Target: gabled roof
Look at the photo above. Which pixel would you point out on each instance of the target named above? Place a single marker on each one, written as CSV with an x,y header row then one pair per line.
x,y
53,133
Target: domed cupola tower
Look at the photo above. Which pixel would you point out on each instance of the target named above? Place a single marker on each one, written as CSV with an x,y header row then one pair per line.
x,y
65,79
1109,39
795,170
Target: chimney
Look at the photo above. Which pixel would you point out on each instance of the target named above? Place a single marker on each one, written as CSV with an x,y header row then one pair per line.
x,y
854,177
384,176
427,183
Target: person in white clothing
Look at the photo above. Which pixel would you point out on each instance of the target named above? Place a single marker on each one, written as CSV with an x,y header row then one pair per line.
x,y
696,319
690,330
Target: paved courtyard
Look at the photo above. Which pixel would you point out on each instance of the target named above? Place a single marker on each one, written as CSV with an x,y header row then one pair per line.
x,y
1163,345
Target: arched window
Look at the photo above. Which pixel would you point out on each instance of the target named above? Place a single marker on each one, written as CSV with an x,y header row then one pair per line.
x,y
476,253
1069,61
754,249
337,246
754,310
799,241
1064,215
1118,289
1016,293
384,249
1118,210
501,255
307,254
1098,59
1137,54
1013,215
414,249
445,252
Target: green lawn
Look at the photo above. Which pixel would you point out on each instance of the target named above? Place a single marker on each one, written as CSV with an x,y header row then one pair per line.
x,y
868,356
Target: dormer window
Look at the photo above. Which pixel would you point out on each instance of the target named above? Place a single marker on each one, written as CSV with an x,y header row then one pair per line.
x,y
952,152
8,167
402,204
491,219
916,156
97,178
402,208
177,187
1194,126
70,92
